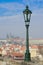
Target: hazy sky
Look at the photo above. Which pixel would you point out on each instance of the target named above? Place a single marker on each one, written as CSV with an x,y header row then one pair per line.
x,y
12,21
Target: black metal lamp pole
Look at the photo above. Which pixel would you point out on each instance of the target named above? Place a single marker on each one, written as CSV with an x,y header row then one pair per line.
x,y
27,15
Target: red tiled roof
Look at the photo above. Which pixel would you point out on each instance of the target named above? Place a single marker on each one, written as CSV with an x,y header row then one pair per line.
x,y
12,46
0,49
34,46
40,47
17,54
23,48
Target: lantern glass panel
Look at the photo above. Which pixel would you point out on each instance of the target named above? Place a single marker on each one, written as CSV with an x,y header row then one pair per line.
x,y
25,17
29,16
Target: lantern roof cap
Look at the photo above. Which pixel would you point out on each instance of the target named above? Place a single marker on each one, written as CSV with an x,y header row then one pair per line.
x,y
27,10
27,7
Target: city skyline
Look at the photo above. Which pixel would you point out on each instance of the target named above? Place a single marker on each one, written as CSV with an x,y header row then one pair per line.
x,y
12,20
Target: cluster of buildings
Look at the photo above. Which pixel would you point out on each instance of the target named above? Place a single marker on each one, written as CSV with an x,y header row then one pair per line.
x,y
16,48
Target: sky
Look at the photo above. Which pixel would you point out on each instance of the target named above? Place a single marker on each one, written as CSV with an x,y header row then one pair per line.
x,y
12,20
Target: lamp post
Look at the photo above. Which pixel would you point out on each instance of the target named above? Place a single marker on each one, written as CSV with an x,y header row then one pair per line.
x,y
27,15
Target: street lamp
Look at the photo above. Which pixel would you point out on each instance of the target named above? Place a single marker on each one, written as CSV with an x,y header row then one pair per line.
x,y
27,15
